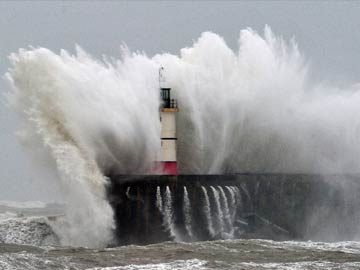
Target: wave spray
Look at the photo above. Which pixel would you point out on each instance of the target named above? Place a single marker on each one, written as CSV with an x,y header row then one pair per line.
x,y
253,110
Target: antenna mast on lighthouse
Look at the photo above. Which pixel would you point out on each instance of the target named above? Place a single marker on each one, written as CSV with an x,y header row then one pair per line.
x,y
168,111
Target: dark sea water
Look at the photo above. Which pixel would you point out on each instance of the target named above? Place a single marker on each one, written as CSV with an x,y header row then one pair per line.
x,y
27,242
226,254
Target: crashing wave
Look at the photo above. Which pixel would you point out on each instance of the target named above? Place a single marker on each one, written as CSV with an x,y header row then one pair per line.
x,y
253,110
27,231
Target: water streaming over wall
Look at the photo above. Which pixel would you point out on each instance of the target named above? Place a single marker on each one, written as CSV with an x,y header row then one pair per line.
x,y
207,210
233,203
219,217
226,213
219,210
169,215
187,213
159,203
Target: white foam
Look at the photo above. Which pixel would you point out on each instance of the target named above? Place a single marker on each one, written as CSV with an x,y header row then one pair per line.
x,y
307,265
175,265
27,204
346,246
7,215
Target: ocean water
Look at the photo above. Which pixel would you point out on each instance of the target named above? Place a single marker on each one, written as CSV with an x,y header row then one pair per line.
x,y
27,241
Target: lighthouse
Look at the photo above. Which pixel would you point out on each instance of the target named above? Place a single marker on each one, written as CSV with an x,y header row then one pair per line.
x,y
168,111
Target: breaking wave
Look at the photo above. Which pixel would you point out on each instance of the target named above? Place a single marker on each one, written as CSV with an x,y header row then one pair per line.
x,y
253,110
28,204
27,231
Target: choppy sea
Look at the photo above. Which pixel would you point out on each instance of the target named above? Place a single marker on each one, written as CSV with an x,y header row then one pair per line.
x,y
27,242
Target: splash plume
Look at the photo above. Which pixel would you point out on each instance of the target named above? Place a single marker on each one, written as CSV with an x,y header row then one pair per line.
x,y
253,110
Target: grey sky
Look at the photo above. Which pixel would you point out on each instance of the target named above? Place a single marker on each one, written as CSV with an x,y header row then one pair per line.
x,y
327,32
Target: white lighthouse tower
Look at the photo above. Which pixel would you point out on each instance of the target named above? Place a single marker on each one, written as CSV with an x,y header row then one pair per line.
x,y
168,111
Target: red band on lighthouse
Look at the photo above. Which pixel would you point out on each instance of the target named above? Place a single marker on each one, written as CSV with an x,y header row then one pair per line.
x,y
168,111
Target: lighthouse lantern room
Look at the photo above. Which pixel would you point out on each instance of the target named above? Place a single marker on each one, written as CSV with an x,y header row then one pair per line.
x,y
168,111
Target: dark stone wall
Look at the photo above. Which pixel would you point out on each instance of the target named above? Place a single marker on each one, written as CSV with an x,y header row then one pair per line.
x,y
273,206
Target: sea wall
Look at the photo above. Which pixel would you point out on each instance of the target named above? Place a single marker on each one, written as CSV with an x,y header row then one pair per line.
x,y
153,208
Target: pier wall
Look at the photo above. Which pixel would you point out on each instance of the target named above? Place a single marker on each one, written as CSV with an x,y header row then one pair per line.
x,y
270,206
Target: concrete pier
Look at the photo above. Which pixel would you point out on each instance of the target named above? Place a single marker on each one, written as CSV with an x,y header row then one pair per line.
x,y
272,206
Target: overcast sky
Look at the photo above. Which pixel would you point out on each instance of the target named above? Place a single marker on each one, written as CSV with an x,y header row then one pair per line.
x,y
327,32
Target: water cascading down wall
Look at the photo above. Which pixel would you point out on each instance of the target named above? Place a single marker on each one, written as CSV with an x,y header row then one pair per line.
x,y
153,208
